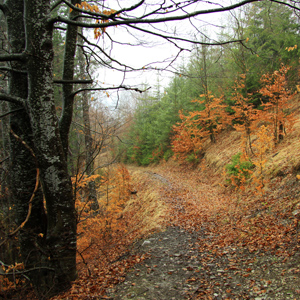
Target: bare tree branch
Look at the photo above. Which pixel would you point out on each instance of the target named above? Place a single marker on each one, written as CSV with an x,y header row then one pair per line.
x,y
104,53
286,4
126,67
12,99
56,4
4,68
11,112
98,15
123,21
29,206
13,56
133,7
86,13
60,28
79,81
34,191
127,88
20,272
114,160
169,38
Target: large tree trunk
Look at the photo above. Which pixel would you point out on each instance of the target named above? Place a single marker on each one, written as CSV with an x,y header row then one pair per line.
x,y
22,163
8,251
47,246
60,240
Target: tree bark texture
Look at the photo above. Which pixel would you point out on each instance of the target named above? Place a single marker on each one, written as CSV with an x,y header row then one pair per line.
x,y
60,239
68,74
47,240
22,164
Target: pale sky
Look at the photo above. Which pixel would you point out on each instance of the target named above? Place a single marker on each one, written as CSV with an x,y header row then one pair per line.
x,y
156,50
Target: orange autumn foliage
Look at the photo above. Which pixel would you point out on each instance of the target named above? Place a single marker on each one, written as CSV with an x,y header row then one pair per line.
x,y
80,184
199,126
245,114
94,8
262,145
113,193
277,110
257,126
116,190
104,237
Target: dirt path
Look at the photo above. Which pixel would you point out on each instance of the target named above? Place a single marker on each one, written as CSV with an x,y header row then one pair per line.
x,y
166,273
178,269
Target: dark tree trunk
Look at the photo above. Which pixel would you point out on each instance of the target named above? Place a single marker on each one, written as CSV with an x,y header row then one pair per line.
x,y
8,251
47,243
59,247
68,74
22,163
88,140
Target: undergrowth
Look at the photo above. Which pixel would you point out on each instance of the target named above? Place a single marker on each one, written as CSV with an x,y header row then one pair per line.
x,y
239,170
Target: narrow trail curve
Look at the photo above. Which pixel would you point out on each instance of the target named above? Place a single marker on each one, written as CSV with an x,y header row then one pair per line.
x,y
169,271
176,269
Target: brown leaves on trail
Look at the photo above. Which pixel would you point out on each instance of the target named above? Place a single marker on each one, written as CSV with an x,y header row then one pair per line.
x,y
247,221
104,275
240,235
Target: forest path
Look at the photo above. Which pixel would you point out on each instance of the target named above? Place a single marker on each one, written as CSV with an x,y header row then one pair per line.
x,y
166,273
185,262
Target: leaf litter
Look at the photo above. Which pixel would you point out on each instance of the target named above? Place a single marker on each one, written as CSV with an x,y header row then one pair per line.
x,y
217,244
181,235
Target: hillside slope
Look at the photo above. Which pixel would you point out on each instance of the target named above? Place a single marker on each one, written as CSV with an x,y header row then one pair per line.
x,y
186,229
282,160
212,242
247,239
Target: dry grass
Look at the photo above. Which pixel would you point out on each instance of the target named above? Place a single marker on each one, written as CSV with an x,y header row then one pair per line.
x,y
281,160
147,207
218,155
286,156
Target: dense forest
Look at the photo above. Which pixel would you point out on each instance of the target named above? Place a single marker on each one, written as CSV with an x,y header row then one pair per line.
x,y
218,87
72,143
